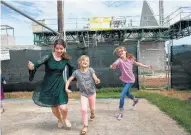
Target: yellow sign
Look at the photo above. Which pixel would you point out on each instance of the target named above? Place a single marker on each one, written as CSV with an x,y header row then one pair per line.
x,y
100,23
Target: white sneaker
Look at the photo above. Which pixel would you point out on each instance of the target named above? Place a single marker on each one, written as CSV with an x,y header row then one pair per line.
x,y
116,115
120,116
2,110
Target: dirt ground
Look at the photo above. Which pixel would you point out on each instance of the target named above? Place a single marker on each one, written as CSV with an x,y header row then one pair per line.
x,y
160,82
154,81
29,95
183,95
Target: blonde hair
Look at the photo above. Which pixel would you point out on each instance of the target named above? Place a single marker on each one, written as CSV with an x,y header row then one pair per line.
x,y
82,57
129,55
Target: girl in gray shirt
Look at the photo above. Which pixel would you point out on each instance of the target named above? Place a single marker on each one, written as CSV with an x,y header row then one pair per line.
x,y
86,80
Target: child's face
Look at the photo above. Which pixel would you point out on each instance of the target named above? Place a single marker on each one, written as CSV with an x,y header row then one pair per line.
x,y
84,63
59,49
121,53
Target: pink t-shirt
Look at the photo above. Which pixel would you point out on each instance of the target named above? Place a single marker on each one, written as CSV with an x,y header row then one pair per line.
x,y
126,68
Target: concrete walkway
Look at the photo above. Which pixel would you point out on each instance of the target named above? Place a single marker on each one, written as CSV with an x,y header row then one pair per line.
x,y
23,117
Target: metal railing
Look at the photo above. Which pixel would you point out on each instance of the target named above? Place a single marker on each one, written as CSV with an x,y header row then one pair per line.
x,y
83,23
182,13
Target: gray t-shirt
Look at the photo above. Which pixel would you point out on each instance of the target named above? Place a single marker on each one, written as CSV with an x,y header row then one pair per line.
x,y
85,81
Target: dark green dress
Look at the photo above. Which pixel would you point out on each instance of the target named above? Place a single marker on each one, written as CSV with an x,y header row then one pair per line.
x,y
51,92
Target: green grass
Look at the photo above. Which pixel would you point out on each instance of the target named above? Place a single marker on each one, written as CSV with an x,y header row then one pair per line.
x,y
154,87
177,109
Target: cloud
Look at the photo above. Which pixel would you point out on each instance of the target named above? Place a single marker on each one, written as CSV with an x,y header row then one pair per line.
x,y
22,25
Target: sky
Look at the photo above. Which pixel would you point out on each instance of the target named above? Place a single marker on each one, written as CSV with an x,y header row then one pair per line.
x,y
81,9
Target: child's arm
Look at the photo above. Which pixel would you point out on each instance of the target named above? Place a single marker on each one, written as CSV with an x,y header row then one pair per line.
x,y
71,67
4,82
68,84
97,80
115,64
142,65
3,79
30,65
33,66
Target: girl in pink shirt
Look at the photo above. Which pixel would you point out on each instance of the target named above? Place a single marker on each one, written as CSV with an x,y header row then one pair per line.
x,y
125,64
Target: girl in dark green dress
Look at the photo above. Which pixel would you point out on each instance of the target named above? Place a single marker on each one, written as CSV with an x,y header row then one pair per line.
x,y
51,92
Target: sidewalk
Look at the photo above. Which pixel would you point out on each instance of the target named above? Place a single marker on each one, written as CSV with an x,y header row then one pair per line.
x,y
23,117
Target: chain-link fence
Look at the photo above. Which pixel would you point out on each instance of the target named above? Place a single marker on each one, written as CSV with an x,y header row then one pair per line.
x,y
101,57
181,67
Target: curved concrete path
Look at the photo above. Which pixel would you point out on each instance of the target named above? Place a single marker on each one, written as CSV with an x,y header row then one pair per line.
x,y
23,117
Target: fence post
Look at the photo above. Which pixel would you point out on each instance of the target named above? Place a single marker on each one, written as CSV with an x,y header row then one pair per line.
x,y
138,59
170,45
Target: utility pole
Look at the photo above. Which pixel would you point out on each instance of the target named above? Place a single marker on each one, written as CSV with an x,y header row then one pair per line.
x,y
63,22
161,12
60,18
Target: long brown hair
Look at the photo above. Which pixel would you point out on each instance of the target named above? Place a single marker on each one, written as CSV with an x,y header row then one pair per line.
x,y
129,55
63,43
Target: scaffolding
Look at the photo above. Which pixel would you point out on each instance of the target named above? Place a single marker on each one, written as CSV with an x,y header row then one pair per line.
x,y
179,23
79,30
127,28
5,30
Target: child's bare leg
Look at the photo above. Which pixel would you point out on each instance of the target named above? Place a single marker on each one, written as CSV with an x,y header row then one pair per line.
x,y
84,102
56,113
92,101
64,111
